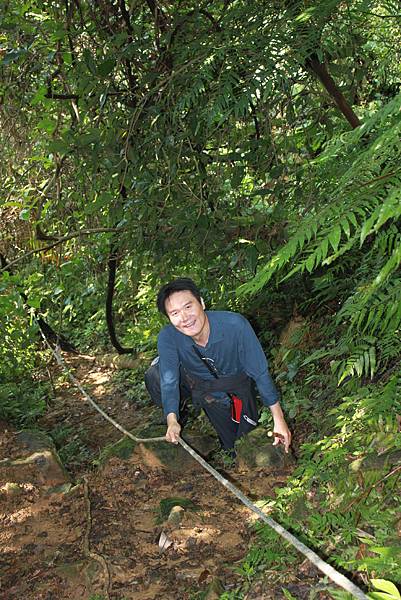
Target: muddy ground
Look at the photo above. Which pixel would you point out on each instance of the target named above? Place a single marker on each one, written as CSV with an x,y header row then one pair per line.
x,y
98,530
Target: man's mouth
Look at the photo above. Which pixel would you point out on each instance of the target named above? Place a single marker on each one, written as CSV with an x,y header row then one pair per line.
x,y
189,325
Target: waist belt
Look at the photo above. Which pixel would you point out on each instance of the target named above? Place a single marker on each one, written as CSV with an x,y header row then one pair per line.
x,y
238,388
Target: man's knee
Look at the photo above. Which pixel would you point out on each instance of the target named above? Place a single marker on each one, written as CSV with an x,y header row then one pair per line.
x,y
152,382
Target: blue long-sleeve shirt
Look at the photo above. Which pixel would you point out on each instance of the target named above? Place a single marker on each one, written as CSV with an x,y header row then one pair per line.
x,y
232,347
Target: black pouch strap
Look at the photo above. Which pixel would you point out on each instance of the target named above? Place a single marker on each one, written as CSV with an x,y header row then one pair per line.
x,y
204,360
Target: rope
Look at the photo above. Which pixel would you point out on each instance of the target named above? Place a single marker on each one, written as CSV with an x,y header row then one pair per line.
x,y
327,569
323,566
60,361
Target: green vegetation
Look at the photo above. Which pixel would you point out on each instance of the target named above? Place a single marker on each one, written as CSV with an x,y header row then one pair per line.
x,y
255,147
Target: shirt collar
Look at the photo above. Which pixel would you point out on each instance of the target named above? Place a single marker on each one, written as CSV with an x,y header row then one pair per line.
x,y
216,331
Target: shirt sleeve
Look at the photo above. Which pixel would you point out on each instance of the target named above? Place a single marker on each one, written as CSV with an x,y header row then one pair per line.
x,y
255,364
169,365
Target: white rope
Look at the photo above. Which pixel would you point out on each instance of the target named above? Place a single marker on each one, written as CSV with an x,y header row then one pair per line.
x,y
327,569
323,566
60,361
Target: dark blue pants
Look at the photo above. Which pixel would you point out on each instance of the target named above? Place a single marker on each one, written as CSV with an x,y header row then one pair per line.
x,y
152,383
217,411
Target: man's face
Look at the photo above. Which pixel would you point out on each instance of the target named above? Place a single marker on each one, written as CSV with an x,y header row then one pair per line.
x,y
186,313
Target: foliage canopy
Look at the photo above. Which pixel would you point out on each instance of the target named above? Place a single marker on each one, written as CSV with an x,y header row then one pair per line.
x,y
254,146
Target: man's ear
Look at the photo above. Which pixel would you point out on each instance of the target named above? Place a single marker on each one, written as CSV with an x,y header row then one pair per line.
x,y
203,303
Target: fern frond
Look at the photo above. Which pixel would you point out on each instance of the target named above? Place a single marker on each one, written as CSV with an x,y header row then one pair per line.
x,y
359,194
361,362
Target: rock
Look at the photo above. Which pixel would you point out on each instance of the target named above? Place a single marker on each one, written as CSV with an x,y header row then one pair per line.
x,y
122,361
64,488
168,505
40,456
256,450
161,454
122,449
34,440
48,466
176,515
173,456
11,489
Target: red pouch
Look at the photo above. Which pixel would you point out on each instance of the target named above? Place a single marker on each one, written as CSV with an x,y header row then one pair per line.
x,y
236,408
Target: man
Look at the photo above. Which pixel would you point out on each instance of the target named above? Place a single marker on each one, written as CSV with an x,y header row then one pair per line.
x,y
216,357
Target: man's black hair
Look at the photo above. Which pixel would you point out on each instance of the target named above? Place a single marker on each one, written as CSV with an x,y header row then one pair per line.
x,y
181,284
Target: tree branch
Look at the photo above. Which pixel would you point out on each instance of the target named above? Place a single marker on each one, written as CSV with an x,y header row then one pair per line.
x,y
53,96
64,239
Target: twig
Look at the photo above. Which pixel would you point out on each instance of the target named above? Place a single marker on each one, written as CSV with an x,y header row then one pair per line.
x,y
379,178
51,382
367,492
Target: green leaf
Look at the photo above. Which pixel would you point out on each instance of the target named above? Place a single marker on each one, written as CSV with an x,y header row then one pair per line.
x,y
251,256
372,361
345,226
88,138
13,56
310,263
334,237
386,586
89,61
106,67
58,146
39,96
47,124
34,301
25,214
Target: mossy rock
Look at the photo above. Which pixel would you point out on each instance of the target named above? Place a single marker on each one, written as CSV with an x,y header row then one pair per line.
x,y
167,505
122,449
125,447
38,452
173,456
161,454
47,466
255,450
34,440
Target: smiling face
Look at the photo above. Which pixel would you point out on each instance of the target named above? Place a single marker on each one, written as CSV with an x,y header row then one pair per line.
x,y
188,315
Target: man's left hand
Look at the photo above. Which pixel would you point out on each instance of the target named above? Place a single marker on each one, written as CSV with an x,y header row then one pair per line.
x,y
282,435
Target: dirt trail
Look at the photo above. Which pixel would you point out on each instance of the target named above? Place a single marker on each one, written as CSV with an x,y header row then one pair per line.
x,y
95,534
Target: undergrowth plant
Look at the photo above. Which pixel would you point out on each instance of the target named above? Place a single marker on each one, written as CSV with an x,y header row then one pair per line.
x,y
23,388
343,498
352,240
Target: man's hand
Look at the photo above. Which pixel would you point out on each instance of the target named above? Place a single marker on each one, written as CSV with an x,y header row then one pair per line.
x,y
282,435
173,428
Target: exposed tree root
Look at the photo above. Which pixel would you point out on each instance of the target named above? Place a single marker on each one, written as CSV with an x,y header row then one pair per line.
x,y
87,549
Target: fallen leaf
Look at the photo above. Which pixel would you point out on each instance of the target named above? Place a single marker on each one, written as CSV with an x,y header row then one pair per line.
x,y
164,542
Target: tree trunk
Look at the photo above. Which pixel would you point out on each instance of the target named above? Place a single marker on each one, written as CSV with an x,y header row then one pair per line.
x,y
328,82
112,265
